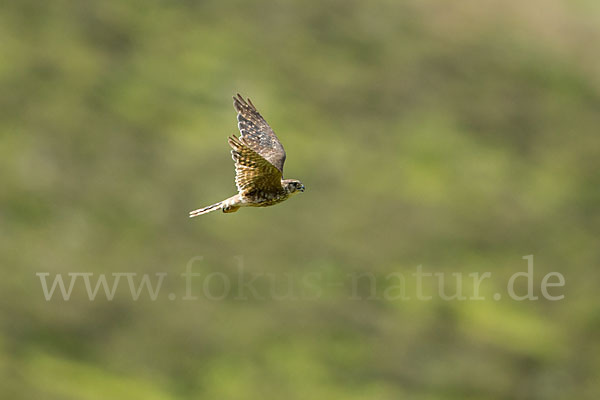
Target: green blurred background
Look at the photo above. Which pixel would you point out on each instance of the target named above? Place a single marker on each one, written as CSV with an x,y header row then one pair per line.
x,y
460,136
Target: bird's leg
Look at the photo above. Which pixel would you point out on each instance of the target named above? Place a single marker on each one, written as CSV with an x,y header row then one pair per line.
x,y
232,204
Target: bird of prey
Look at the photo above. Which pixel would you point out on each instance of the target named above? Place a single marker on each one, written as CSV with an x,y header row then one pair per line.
x,y
259,158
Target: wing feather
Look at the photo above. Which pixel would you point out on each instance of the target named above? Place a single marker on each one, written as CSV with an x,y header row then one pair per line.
x,y
257,134
252,172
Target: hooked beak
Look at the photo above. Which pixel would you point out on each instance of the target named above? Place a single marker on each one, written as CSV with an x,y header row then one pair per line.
x,y
301,188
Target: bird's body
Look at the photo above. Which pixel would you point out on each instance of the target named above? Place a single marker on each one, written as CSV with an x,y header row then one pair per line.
x,y
259,159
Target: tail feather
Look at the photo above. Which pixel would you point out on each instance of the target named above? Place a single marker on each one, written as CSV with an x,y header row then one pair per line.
x,y
206,210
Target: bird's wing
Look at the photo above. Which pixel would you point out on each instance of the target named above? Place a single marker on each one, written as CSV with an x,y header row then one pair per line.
x,y
257,134
252,171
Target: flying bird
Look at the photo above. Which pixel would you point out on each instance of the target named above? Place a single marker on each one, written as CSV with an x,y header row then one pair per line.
x,y
259,158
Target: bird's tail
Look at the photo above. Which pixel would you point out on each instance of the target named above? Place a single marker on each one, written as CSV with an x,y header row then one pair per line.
x,y
206,210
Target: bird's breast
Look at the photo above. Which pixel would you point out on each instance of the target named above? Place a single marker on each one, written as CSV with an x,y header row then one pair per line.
x,y
265,198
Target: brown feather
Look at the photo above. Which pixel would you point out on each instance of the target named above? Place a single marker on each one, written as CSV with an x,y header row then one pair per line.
x,y
257,134
253,174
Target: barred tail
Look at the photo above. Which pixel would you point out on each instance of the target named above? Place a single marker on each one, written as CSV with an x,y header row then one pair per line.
x,y
206,210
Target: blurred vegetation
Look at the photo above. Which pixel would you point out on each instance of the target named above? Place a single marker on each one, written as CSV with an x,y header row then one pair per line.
x,y
459,136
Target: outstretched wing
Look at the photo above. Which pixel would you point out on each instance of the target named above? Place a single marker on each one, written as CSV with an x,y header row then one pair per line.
x,y
252,172
257,134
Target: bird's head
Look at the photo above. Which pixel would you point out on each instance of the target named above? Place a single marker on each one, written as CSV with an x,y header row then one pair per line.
x,y
293,185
